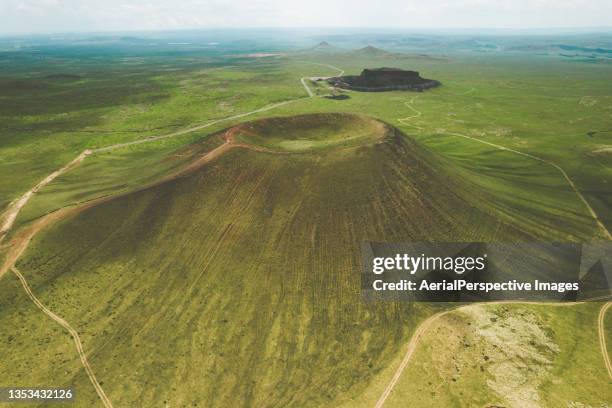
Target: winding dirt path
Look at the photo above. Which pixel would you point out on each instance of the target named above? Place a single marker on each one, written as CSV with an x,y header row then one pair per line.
x,y
75,336
422,328
21,240
304,79
14,208
11,213
604,230
417,113
196,128
590,209
427,323
602,337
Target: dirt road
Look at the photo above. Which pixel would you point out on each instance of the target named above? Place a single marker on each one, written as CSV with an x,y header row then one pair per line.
x,y
20,242
590,209
73,333
11,214
304,79
604,230
602,337
417,113
422,328
196,128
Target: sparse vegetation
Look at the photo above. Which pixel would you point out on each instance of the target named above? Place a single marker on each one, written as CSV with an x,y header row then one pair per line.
x,y
238,284
508,355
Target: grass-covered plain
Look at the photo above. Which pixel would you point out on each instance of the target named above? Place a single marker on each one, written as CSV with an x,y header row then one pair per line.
x,y
508,355
533,104
47,121
237,284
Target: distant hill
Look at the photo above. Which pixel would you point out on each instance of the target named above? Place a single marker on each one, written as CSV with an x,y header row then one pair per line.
x,y
371,51
323,44
375,52
324,48
365,52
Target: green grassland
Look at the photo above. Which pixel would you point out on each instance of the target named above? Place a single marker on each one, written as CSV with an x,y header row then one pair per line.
x,y
238,284
531,104
116,172
46,121
508,355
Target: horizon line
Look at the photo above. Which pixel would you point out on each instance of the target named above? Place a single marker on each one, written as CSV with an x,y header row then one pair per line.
x,y
581,29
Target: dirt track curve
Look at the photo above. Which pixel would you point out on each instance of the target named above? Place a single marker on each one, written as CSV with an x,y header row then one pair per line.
x,y
11,213
602,337
414,340
304,79
73,333
604,230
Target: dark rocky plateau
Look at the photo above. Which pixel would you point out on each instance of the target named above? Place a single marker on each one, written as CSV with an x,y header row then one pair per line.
x,y
384,79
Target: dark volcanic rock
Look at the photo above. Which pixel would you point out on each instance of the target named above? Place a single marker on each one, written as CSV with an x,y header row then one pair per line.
x,y
384,79
339,97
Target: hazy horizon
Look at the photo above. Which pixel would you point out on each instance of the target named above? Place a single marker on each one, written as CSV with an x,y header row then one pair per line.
x,y
543,31
25,17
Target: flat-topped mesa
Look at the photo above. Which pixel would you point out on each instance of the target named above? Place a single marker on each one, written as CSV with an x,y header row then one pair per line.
x,y
384,79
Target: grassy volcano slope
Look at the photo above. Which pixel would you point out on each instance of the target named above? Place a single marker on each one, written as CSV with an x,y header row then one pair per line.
x,y
114,172
238,284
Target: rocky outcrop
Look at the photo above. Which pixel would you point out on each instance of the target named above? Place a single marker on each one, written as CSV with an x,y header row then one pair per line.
x,y
384,79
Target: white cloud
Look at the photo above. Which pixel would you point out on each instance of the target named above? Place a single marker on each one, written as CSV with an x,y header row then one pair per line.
x,y
89,15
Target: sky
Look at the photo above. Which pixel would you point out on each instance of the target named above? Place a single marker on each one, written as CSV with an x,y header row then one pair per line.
x,y
53,16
